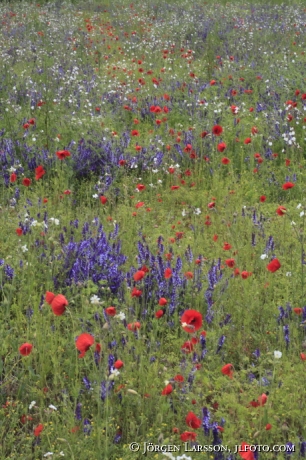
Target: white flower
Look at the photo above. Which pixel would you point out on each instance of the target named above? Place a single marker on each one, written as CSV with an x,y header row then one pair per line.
x,y
34,223
197,211
154,171
120,316
302,213
288,274
159,181
55,221
48,454
24,248
183,213
277,354
299,206
52,407
263,256
32,405
95,196
62,454
293,223
95,300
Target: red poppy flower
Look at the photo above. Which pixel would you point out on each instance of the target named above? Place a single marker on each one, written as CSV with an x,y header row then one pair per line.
x,y
19,231
287,185
62,154
225,161
298,311
287,162
187,347
122,162
49,296
59,304
134,326
248,140
26,182
262,199
167,390
262,399
281,210
179,378
191,321
39,172
139,205
159,314
162,301
134,132
26,126
136,292
188,436
103,199
175,187
217,130
167,273
38,429
268,426
227,246
228,370
138,275
230,262
193,421
140,187
110,311
245,274
25,349
215,237
118,364
221,146
274,265
245,453
13,177
188,275
83,343
303,356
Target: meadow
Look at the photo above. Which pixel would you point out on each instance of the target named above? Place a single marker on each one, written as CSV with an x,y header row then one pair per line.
x,y
152,230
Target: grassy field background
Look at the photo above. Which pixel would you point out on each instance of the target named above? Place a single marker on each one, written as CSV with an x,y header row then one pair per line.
x,y
152,217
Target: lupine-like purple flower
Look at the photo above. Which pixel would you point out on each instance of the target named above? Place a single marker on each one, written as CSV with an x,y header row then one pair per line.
x,y
286,335
206,420
86,383
220,343
86,427
78,411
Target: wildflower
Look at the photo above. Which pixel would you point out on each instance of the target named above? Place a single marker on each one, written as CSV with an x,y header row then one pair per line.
x,y
103,199
32,404
225,161
221,146
58,302
25,349
19,231
262,199
193,421
110,311
277,354
134,326
26,182
138,275
39,172
217,130
159,314
83,343
13,178
62,154
167,390
230,262
139,205
187,347
95,300
227,246
141,187
188,275
136,292
245,452
188,436
162,301
134,132
303,356
228,370
268,426
281,210
248,140
191,321
274,265
168,273
38,429
118,364
298,311
287,185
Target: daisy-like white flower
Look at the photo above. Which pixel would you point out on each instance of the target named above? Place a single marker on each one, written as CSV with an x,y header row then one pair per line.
x,y
32,404
277,354
95,300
